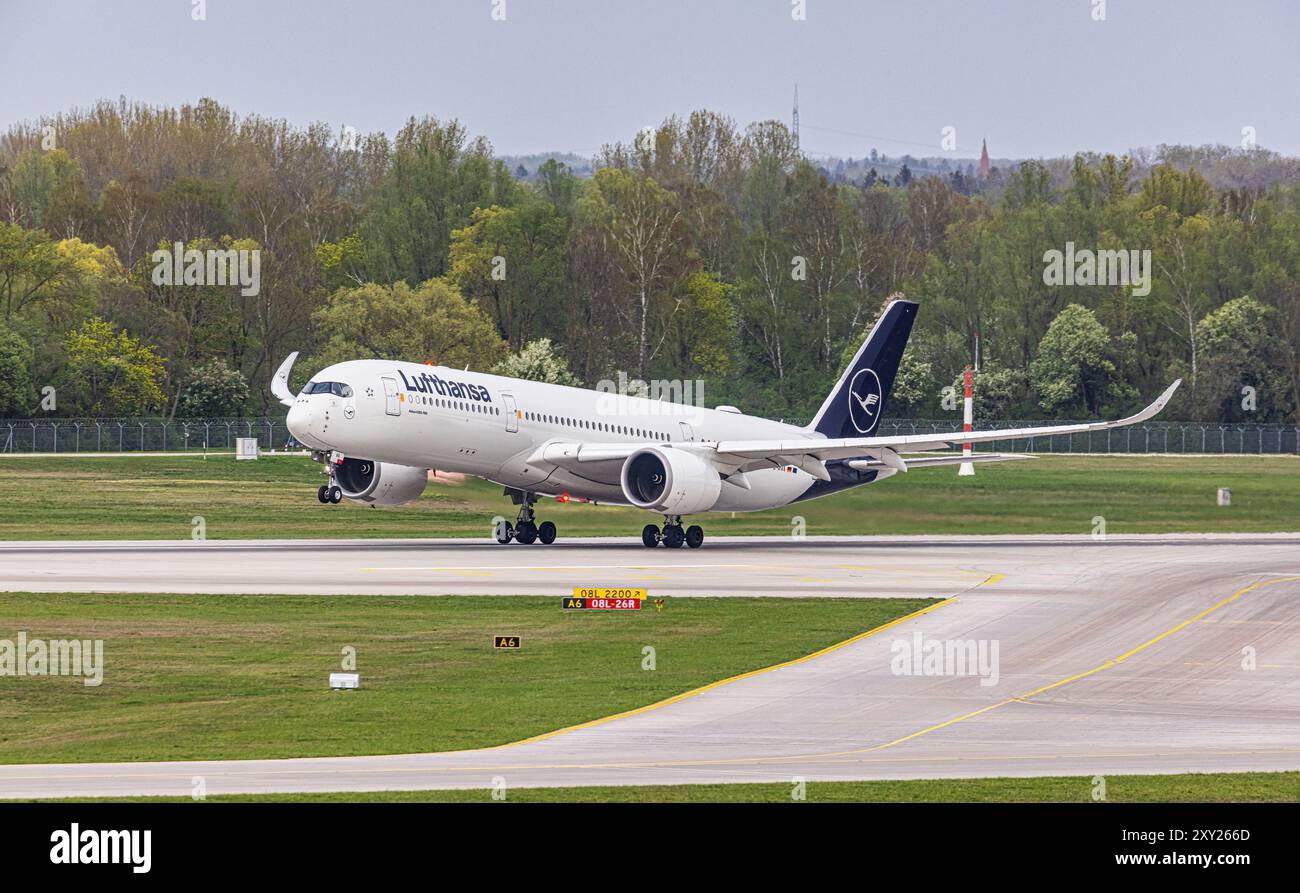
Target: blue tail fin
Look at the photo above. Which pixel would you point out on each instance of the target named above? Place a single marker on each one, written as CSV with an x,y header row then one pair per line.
x,y
857,402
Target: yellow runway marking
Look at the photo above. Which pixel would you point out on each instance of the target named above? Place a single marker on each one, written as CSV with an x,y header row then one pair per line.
x,y
721,682
1075,678
858,752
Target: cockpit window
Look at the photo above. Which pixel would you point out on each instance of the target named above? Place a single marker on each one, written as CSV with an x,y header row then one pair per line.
x,y
337,388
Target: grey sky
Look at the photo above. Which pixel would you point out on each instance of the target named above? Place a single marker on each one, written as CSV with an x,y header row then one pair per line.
x,y
1035,78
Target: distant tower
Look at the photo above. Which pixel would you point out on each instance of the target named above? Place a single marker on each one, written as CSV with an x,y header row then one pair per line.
x,y
794,128
984,161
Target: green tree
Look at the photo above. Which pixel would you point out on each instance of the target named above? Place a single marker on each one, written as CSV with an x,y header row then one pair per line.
x,y
706,328
1073,370
511,261
538,361
636,225
1240,351
431,323
434,180
914,385
39,276
998,391
17,394
116,373
214,389
342,263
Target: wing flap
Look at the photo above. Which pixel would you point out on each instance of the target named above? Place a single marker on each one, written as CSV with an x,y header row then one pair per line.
x,y
930,461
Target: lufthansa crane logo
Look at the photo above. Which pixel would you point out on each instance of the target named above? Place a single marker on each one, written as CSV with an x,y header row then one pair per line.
x,y
864,400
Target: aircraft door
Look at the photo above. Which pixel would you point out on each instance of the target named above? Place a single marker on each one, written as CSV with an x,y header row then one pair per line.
x,y
512,412
392,402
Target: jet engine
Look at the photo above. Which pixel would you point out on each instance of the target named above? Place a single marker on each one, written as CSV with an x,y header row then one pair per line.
x,y
379,483
669,481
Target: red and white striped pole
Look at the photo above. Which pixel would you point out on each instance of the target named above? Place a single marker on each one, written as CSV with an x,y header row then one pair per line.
x,y
968,468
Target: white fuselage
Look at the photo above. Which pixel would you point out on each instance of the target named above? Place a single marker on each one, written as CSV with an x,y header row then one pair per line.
x,y
496,428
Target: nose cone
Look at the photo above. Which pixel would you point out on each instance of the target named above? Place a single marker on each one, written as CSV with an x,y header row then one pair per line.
x,y
302,422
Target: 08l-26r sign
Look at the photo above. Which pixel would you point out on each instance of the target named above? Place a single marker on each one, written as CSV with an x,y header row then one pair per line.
x,y
605,599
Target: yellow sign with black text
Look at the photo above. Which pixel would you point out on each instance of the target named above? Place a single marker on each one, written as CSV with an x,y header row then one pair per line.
x,y
605,599
603,592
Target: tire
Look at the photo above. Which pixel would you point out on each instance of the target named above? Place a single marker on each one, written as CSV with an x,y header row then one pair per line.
x,y
546,533
650,536
695,536
505,532
673,537
526,533
323,494
336,495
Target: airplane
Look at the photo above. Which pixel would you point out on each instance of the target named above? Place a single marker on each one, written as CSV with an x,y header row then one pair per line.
x,y
381,425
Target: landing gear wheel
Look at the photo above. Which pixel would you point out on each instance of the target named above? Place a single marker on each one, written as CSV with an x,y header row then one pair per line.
x,y
505,532
526,533
546,533
650,536
673,537
695,536
525,527
323,494
335,495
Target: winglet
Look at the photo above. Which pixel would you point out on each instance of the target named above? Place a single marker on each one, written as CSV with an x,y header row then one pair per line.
x,y
1152,410
280,382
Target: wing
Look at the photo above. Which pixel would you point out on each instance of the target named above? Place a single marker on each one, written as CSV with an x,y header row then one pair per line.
x,y
811,453
820,450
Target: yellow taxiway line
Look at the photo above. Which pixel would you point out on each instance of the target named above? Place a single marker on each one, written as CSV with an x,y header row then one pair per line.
x,y
730,679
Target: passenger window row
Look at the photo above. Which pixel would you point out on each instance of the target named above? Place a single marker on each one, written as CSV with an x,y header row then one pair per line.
x,y
565,421
459,405
587,424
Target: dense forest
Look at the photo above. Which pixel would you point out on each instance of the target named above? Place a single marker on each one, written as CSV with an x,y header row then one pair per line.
x,y
700,250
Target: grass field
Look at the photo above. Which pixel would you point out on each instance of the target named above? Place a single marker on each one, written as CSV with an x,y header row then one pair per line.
x,y
158,497
217,677
1224,787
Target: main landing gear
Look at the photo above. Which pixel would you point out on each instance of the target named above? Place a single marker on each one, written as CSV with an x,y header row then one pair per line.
x,y
672,534
525,529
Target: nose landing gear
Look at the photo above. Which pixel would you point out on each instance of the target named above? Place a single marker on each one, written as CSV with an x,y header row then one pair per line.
x,y
329,493
672,534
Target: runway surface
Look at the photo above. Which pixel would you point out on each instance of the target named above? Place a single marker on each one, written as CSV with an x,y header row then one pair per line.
x,y
1129,655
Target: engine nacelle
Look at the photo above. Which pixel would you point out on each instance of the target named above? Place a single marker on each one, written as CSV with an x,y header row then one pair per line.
x,y
379,483
672,482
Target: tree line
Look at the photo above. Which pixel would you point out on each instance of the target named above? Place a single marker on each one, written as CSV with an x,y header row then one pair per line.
x,y
696,250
